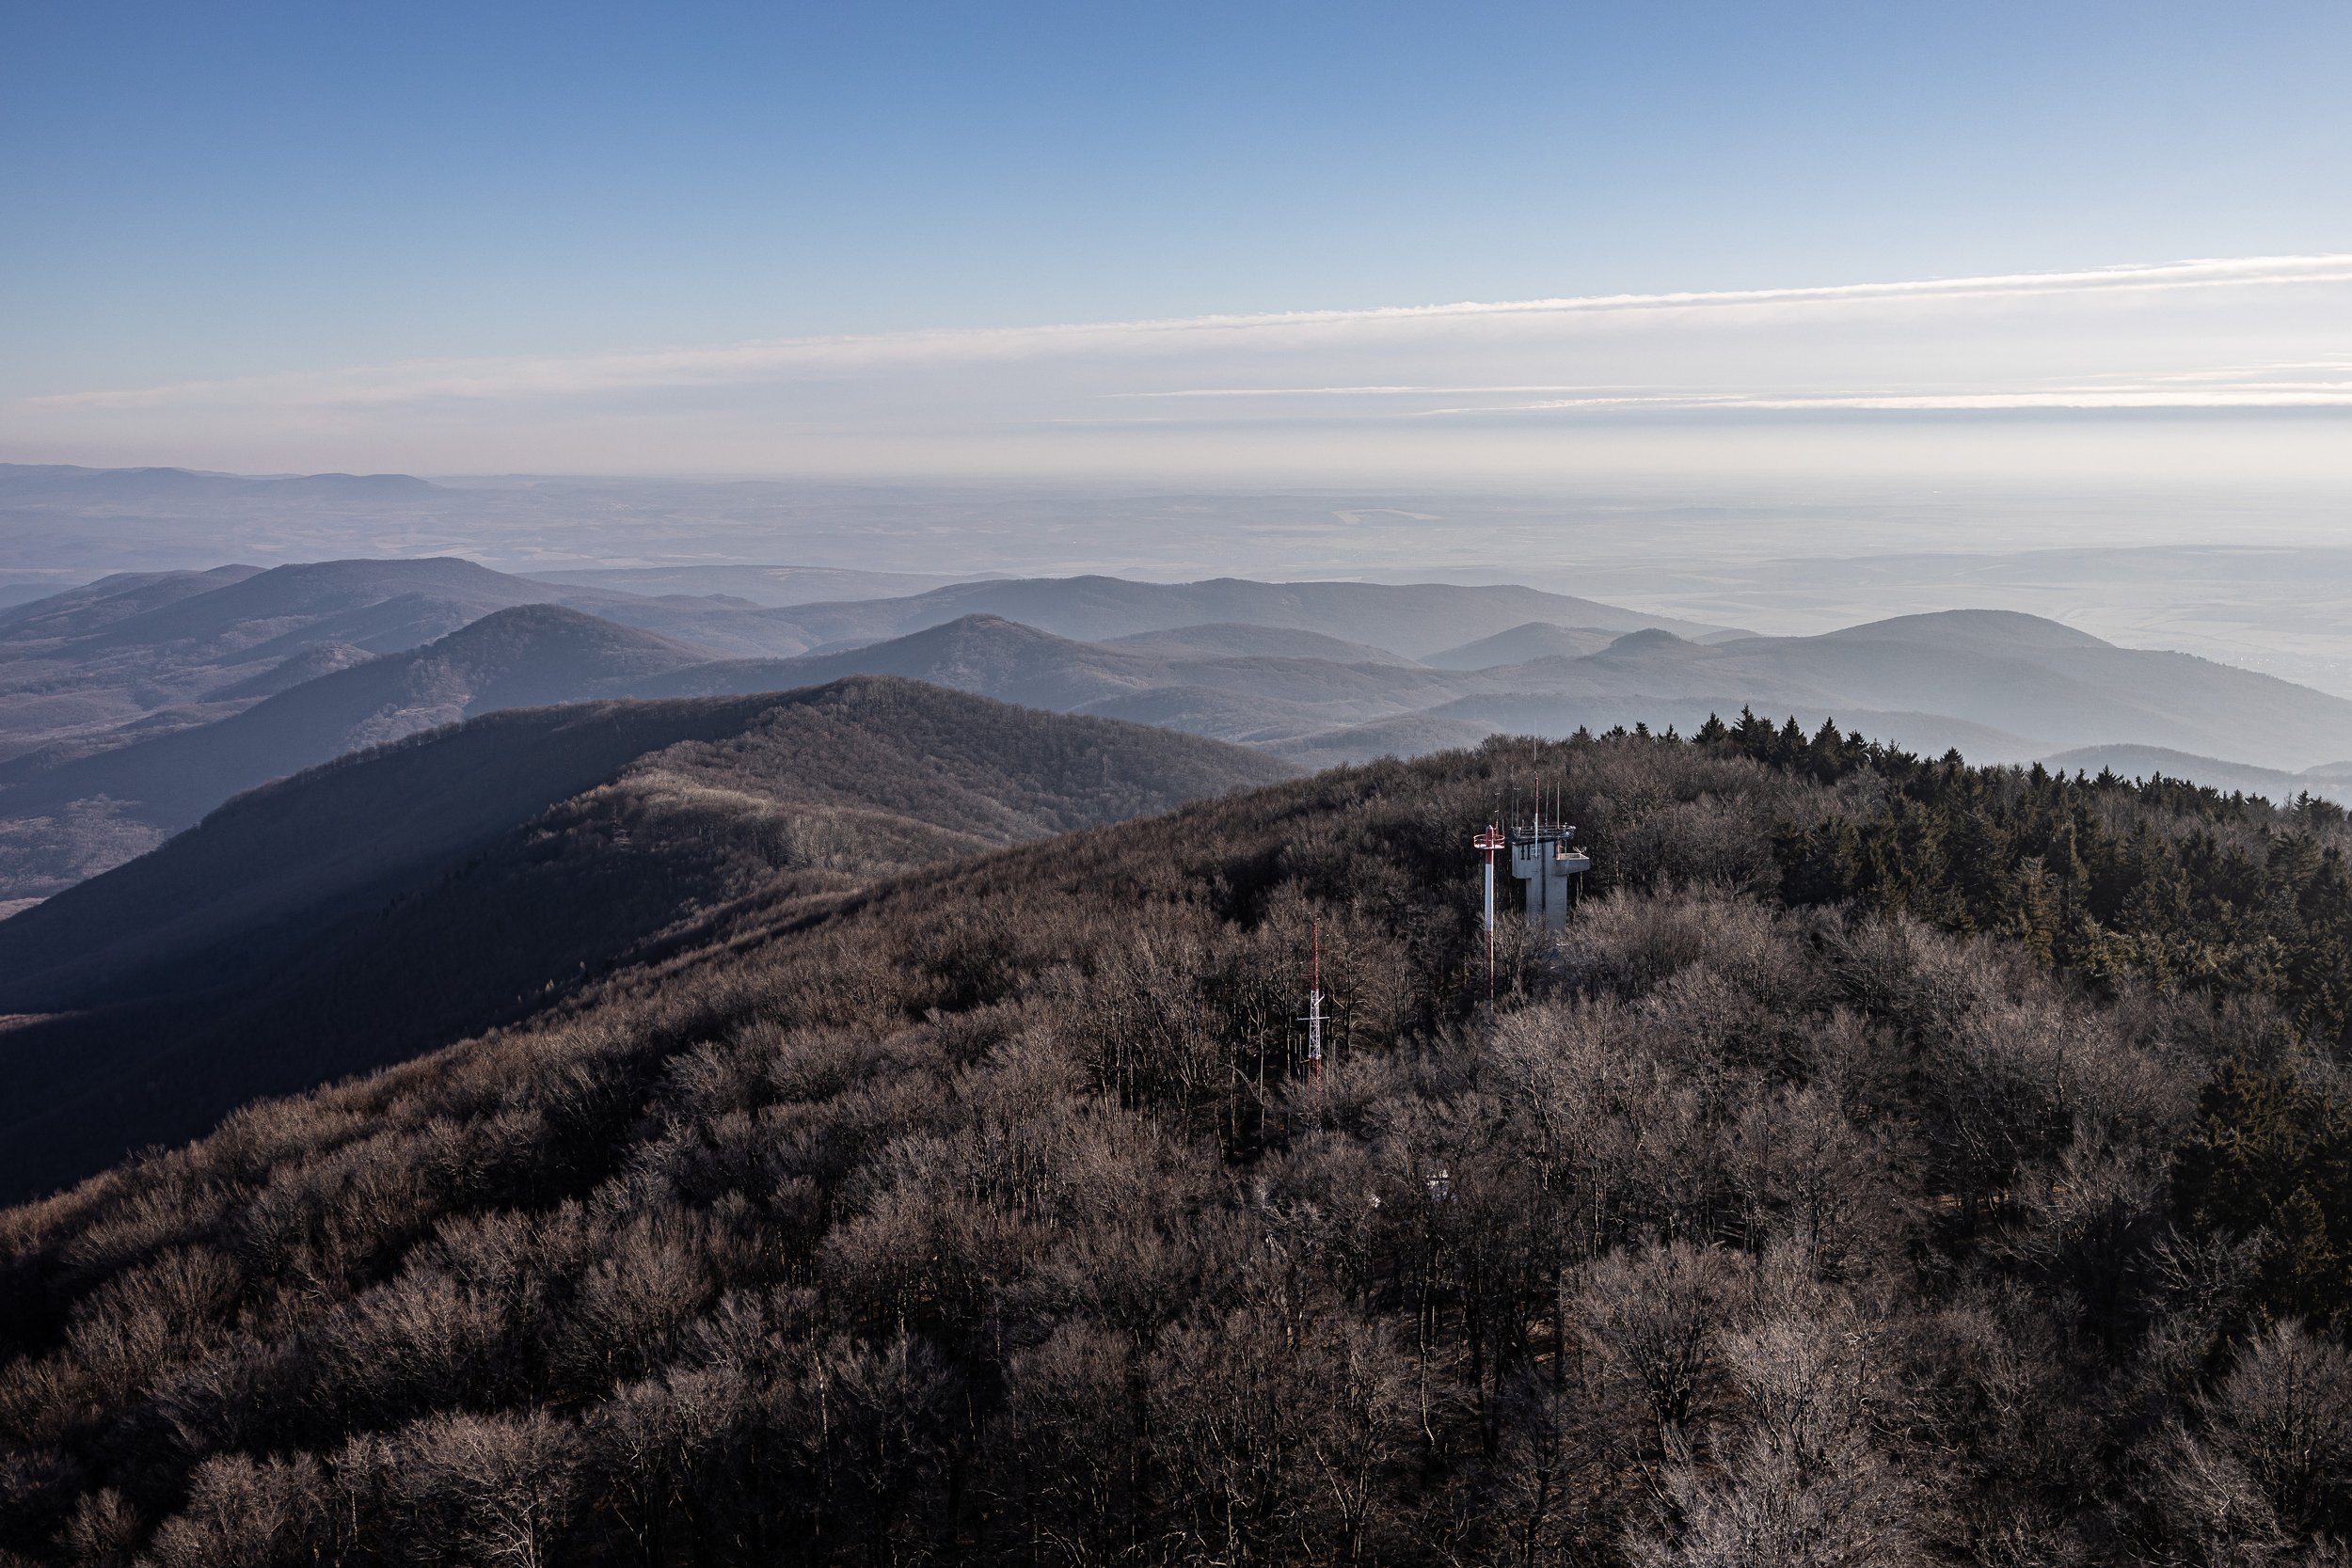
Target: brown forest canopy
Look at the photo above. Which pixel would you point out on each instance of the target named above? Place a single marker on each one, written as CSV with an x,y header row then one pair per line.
x,y
1896,1163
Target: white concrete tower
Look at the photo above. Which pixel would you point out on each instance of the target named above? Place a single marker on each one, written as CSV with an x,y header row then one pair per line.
x,y
1544,857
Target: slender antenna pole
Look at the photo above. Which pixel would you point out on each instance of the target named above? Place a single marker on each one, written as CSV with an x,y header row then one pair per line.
x,y
1314,1021
1490,841
1314,1010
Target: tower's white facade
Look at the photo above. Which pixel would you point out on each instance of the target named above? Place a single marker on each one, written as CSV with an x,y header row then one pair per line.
x,y
1545,858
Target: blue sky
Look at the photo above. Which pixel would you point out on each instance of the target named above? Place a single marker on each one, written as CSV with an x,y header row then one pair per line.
x,y
203,193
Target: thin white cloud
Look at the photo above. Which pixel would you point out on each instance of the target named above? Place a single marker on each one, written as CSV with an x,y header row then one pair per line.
x,y
2263,333
2217,397
553,376
2230,385
1349,392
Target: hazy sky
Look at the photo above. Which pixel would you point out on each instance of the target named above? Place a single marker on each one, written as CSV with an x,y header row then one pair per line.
x,y
886,237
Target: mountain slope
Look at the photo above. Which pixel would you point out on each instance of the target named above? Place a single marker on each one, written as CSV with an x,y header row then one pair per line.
x,y
393,900
996,1216
1523,644
1999,632
94,607
226,618
1232,640
520,658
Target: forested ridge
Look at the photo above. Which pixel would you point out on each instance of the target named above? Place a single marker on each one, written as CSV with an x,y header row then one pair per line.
x,y
1896,1163
410,895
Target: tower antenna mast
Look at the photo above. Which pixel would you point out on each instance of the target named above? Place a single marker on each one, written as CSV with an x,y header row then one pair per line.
x,y
1490,841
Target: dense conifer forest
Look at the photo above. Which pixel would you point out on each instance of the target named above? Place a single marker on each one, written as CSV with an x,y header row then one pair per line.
x,y
1896,1163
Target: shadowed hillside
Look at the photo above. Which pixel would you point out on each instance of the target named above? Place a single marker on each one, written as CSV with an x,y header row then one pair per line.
x,y
399,899
1522,645
71,816
1896,1163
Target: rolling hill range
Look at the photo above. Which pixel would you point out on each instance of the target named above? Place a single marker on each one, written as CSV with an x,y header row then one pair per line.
x,y
1259,700
2030,677
358,912
134,654
1411,619
1997,687
209,682
101,664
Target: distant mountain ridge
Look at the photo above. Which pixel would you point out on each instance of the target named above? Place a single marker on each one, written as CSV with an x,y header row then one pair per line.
x,y
984,654
2153,762
1411,619
1254,699
2001,688
771,587
86,609
59,482
283,668
79,666
216,619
